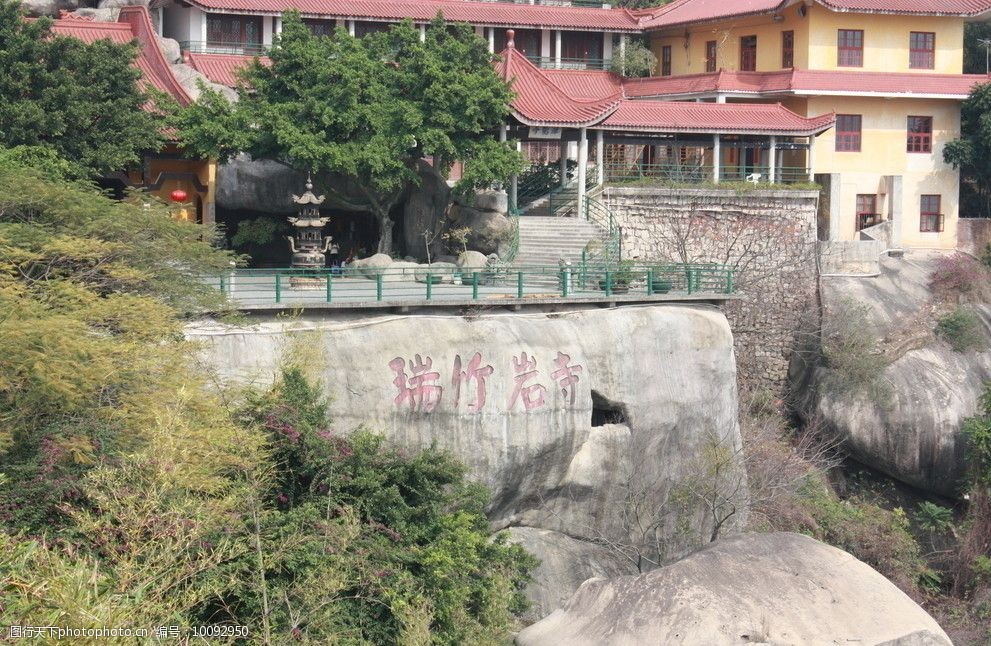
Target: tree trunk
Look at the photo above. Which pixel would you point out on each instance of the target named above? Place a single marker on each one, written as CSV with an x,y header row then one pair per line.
x,y
385,233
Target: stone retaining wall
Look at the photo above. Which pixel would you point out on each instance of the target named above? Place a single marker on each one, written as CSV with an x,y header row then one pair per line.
x,y
768,236
973,235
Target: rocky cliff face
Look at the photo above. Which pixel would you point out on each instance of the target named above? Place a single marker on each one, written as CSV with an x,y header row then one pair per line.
x,y
569,418
756,588
914,436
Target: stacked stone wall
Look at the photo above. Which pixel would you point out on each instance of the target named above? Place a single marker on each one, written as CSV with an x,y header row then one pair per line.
x,y
769,237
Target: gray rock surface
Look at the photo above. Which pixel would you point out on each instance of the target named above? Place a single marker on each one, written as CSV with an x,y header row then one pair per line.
x,y
496,201
443,271
755,588
424,211
488,228
48,7
191,80
373,265
170,49
473,260
915,437
656,380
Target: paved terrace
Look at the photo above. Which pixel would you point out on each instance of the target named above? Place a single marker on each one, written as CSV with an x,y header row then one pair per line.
x,y
512,287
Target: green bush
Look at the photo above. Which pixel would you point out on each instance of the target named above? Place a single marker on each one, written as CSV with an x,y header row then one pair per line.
x,y
961,328
850,351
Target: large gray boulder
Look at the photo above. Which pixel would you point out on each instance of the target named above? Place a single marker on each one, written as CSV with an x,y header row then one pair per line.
x,y
914,436
558,414
48,7
757,588
424,211
489,229
372,266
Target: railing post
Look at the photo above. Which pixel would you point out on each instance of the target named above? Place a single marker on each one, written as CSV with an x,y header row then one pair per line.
x,y
519,284
608,283
650,282
378,287
729,281
474,285
222,289
330,286
430,285
278,288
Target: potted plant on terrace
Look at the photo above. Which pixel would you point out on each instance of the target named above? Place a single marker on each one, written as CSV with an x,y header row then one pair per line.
x,y
617,280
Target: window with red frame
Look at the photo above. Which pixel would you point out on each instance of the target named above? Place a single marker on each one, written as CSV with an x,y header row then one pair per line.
x,y
930,214
867,215
666,60
848,133
920,134
748,53
850,48
922,50
787,49
711,50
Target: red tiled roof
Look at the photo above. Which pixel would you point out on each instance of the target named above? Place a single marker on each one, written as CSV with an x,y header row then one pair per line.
x,y
840,82
484,13
586,84
724,118
220,68
133,24
683,12
541,101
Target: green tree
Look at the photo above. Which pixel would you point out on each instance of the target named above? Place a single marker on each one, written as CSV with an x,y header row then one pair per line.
x,y
365,109
975,53
972,152
80,100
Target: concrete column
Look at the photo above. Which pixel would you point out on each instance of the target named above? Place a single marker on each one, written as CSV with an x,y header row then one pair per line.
x,y
835,207
600,157
557,49
607,48
202,26
811,158
772,162
267,28
503,131
622,53
161,22
720,98
564,162
491,35
423,33
895,209
717,158
582,169
351,28
545,44
278,24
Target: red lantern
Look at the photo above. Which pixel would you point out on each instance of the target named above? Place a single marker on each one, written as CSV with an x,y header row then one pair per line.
x,y
178,196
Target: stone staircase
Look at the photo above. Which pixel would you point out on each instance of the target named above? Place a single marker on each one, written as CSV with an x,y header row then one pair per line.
x,y
544,241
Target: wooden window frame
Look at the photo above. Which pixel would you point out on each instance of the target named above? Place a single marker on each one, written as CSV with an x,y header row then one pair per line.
x,y
787,49
849,47
849,141
867,211
666,56
931,219
919,141
922,58
711,53
748,53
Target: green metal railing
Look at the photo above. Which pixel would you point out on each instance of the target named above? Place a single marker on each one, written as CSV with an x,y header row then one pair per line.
x,y
212,47
610,252
359,287
553,63
701,173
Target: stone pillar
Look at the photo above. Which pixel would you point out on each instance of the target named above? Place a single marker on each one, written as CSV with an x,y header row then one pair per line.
x,y
622,53
717,158
772,162
835,207
491,35
278,24
720,98
423,33
546,52
582,169
203,36
351,28
267,23
564,162
503,132
895,208
606,49
557,48
600,157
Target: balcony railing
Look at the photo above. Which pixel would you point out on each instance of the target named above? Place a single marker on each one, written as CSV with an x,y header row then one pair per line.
x,y
213,47
702,173
865,220
931,223
552,63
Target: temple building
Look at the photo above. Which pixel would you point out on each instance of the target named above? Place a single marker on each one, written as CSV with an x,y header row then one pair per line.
x,y
167,172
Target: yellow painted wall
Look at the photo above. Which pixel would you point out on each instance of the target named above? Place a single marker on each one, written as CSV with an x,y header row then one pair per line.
x,y
883,152
886,40
691,60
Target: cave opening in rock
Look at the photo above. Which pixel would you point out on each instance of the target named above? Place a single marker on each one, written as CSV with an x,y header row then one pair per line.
x,y
605,411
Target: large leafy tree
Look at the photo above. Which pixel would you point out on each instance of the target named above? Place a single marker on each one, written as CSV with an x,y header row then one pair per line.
x,y
972,152
365,109
80,100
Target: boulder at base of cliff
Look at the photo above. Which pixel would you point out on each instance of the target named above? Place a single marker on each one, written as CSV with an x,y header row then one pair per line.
x,y
766,588
489,229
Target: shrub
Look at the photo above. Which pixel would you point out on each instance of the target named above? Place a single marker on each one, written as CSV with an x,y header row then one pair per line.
x,y
957,276
850,352
961,328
